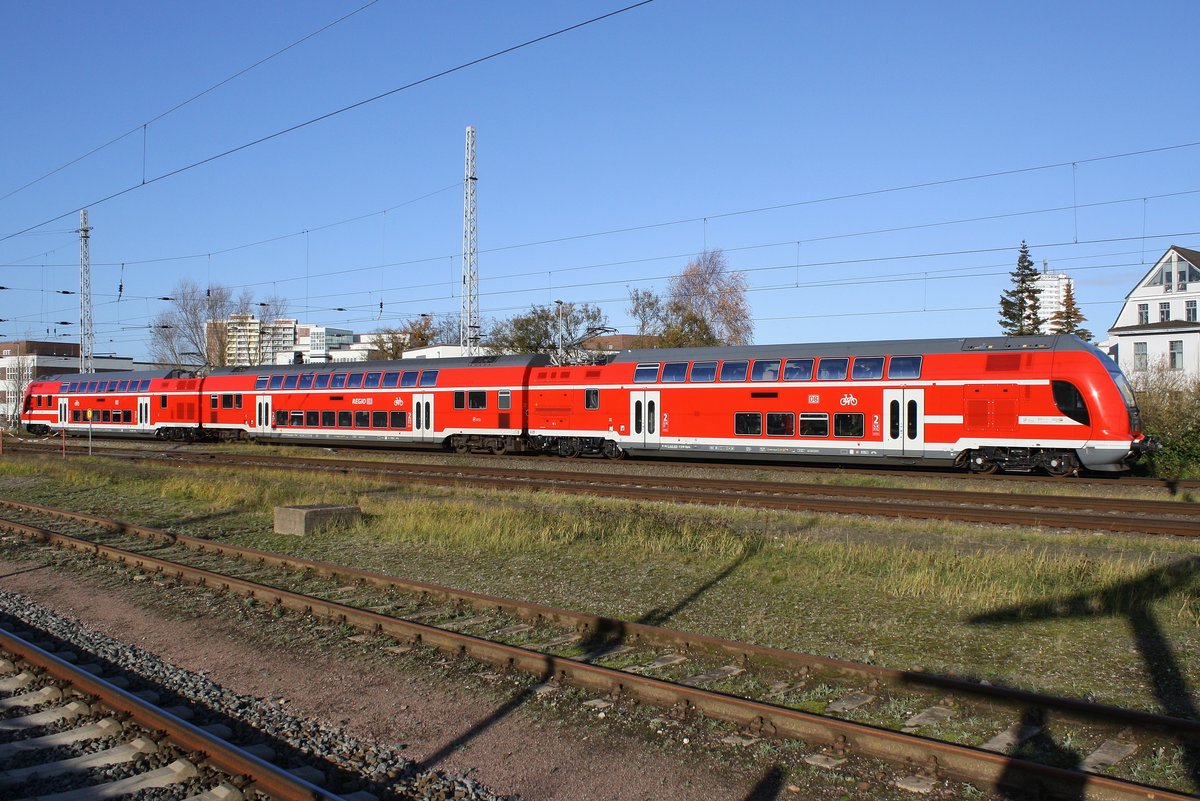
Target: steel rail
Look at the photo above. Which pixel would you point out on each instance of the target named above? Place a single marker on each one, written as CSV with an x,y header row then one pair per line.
x,y
266,778
904,494
941,758
846,469
607,630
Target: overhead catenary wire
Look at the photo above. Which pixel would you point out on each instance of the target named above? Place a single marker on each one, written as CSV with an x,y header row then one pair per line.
x,y
144,125
334,113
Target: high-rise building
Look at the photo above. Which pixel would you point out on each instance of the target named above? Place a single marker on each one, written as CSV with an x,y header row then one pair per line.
x,y
1052,288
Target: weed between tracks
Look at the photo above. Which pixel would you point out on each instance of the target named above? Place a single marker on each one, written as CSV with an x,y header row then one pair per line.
x,y
1049,611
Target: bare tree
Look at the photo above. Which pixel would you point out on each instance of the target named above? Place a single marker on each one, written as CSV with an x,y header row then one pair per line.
x,y
419,332
547,329
388,343
704,305
183,330
16,382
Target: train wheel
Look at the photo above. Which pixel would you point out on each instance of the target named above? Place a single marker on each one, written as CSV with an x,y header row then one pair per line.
x,y
1061,465
981,465
569,448
612,450
499,447
459,444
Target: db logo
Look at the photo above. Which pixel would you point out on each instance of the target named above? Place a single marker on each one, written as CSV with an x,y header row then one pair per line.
x,y
848,400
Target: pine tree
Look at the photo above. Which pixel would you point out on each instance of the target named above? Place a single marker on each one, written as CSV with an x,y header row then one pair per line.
x,y
1020,310
1069,320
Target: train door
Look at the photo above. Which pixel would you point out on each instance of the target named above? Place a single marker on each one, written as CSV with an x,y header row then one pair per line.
x,y
422,414
262,420
143,414
64,412
645,415
904,415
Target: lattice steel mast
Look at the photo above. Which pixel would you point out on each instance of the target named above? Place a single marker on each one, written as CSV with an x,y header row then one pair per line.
x,y
468,321
87,334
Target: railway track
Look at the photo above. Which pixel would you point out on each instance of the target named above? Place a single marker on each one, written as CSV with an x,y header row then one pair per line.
x,y
622,662
1172,485
67,733
1091,513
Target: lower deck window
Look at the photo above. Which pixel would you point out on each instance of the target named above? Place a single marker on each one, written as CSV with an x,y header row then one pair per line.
x,y
747,423
345,419
814,425
281,418
362,419
848,425
781,424
399,420
312,419
328,419
379,419
297,418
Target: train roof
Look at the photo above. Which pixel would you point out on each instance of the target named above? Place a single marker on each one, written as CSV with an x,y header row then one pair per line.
x,y
886,347
118,375
519,360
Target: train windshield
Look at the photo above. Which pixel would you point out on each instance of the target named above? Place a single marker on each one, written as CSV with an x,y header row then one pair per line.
x,y
1118,378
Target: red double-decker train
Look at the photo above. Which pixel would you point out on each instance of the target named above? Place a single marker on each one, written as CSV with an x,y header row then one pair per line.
x,y
1051,403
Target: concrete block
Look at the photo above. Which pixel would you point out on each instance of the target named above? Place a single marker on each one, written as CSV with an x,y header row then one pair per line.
x,y
300,521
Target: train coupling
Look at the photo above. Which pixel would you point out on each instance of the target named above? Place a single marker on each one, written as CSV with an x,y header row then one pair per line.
x,y
1146,446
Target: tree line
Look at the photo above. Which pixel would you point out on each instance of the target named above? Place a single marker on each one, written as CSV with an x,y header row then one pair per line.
x,y
705,304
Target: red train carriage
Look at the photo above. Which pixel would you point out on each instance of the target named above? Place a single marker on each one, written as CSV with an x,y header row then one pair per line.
x,y
1020,403
1016,403
159,403
462,403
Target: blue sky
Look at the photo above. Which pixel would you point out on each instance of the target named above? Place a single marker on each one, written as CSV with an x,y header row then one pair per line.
x,y
674,125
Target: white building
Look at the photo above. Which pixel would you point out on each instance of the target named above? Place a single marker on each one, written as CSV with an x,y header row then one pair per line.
x,y
1158,325
249,340
1052,288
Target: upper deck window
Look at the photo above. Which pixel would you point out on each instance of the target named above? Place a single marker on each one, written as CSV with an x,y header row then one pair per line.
x,y
867,368
276,382
408,378
354,381
261,381
428,378
765,370
904,367
123,386
704,372
798,370
338,381
306,381
145,385
290,381
391,380
372,380
674,372
645,374
734,371
322,381
832,369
